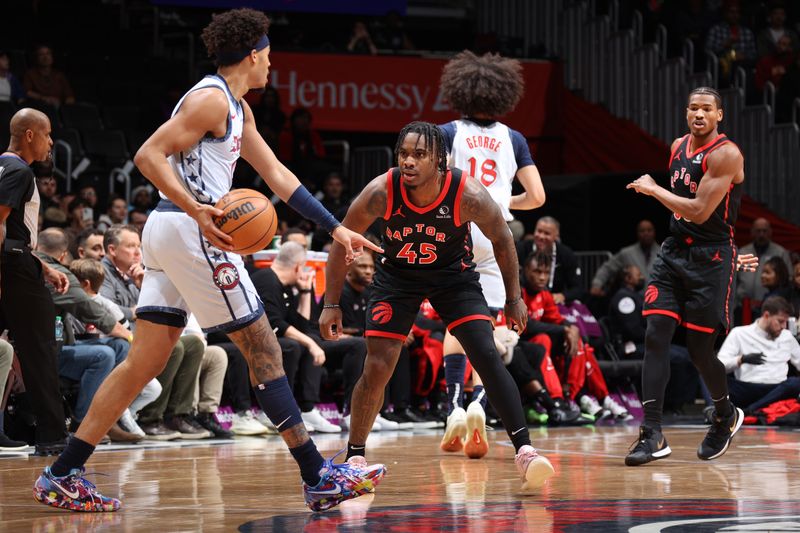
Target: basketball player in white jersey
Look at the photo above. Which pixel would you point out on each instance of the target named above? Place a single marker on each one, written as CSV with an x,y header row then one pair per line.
x,y
481,89
189,266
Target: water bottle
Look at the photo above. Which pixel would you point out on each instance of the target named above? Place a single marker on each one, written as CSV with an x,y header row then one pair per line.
x,y
59,330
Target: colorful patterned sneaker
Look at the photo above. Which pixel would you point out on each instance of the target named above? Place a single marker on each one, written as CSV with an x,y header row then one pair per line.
x,y
72,492
341,482
720,434
477,444
456,432
535,468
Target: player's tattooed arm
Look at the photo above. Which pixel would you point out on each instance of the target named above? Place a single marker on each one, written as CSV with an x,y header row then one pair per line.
x,y
365,209
479,207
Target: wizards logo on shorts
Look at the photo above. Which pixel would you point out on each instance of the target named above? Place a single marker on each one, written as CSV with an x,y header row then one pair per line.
x,y
226,277
381,313
651,294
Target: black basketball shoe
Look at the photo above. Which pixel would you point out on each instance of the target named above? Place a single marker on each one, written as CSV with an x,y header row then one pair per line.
x,y
720,434
650,446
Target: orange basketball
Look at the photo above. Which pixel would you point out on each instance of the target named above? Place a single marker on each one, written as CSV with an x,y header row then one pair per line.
x,y
249,218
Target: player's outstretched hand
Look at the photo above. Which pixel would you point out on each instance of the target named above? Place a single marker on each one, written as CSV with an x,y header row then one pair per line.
x,y
644,184
330,323
204,216
353,243
516,315
747,262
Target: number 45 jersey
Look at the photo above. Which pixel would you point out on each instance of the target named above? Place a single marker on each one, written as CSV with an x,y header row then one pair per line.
x,y
489,151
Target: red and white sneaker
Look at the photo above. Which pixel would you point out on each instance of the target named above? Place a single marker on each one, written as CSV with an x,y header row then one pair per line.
x,y
534,468
456,432
477,444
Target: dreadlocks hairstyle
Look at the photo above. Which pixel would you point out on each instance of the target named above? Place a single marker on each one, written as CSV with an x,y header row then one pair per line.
x,y
238,29
707,90
488,84
434,141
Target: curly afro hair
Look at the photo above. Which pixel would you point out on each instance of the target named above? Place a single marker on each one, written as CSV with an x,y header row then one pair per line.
x,y
238,29
482,85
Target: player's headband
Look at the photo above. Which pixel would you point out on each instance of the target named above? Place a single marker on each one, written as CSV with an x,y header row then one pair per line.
x,y
234,56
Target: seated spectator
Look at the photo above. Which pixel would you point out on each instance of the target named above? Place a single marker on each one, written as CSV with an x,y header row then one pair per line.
x,y
733,43
6,359
332,197
773,67
117,213
354,300
756,358
295,235
89,195
301,148
564,280
87,362
79,218
142,198
642,254
45,83
748,284
769,38
49,206
360,41
794,295
775,278
89,244
579,368
138,218
11,90
285,289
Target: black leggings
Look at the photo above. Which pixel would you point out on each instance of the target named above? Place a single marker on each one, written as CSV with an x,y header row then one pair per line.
x,y
655,373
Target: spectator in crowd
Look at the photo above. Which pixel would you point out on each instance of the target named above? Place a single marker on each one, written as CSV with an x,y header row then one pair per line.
x,y
11,90
210,379
732,42
138,218
627,327
90,274
756,358
360,41
297,235
89,195
45,83
270,118
794,295
123,278
748,284
26,302
89,244
80,217
289,315
49,206
301,147
642,254
790,89
773,67
769,39
564,281
142,198
6,359
691,23
117,213
354,299
333,198
775,278
86,362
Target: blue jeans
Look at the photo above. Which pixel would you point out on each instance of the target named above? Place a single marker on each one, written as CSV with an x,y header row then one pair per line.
x,y
89,364
753,396
120,347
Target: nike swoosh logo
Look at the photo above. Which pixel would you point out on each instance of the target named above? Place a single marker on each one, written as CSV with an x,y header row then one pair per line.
x,y
335,490
647,401
517,431
72,494
278,426
661,443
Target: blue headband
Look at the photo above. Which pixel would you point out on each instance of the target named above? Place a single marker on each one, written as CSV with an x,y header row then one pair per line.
x,y
234,56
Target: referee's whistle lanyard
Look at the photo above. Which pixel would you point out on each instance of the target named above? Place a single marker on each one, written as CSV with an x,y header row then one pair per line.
x,y
552,267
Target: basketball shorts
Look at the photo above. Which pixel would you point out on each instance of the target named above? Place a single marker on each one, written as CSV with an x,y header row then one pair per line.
x,y
395,301
486,265
694,284
185,274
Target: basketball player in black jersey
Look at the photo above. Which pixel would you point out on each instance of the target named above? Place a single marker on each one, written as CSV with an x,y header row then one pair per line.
x,y
427,246
693,276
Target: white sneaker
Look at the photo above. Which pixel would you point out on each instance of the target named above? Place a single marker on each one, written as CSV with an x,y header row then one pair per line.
x,y
386,425
590,406
245,424
262,418
455,431
346,424
476,444
534,468
127,422
314,418
618,411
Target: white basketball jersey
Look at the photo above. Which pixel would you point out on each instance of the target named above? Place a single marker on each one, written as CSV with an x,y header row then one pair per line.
x,y
487,154
206,168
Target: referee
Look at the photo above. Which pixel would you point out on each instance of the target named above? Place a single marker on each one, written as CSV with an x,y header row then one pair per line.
x,y
24,299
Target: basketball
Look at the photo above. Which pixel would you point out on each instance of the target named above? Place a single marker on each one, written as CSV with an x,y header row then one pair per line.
x,y
249,218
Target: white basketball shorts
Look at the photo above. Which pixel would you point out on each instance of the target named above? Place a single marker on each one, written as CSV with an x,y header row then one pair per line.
x,y
491,280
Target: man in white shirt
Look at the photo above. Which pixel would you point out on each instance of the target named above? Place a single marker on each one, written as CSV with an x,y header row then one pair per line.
x,y
757,355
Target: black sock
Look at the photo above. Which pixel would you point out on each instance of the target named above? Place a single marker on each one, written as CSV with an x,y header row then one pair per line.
x,y
454,367
353,449
723,407
544,398
310,462
74,455
479,395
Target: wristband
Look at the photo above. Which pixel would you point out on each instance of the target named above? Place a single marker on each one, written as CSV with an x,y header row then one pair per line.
x,y
308,206
304,291
331,306
515,301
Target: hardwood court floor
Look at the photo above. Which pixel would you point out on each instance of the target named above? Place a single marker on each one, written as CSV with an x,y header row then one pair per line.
x,y
252,485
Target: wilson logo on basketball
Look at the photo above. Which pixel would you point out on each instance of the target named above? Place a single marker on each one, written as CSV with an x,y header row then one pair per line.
x,y
381,313
234,214
651,294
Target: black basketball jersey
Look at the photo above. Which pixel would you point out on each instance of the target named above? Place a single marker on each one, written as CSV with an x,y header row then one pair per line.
x,y
685,172
429,238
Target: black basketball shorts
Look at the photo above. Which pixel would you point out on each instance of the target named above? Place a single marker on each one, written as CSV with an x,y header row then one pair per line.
x,y
694,284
